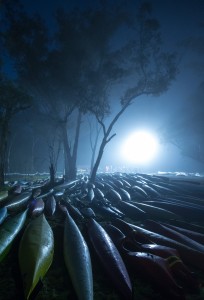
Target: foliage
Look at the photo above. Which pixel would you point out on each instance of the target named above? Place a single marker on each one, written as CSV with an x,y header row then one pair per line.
x,y
148,71
13,100
186,131
184,128
78,66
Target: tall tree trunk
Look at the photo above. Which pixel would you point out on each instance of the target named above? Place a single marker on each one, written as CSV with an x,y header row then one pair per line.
x,y
2,174
3,149
53,155
32,154
52,174
66,151
70,159
107,138
93,155
98,160
72,170
8,168
73,158
94,136
70,167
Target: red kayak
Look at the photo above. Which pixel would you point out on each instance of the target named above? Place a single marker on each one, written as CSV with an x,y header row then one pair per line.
x,y
173,234
196,236
110,258
175,265
188,255
156,270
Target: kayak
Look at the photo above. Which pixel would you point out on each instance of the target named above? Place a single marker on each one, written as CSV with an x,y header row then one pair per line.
x,y
3,195
131,211
73,210
3,214
36,207
35,253
165,259
189,255
77,260
50,205
184,210
65,185
9,230
110,258
188,225
173,234
156,270
18,202
113,196
157,212
106,211
125,195
15,190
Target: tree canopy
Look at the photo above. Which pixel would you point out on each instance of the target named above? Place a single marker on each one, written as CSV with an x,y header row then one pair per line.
x,y
75,68
184,128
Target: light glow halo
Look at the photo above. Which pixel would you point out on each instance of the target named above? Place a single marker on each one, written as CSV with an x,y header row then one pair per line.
x,y
140,147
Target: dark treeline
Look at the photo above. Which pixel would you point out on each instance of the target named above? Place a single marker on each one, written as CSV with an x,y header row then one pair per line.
x,y
60,75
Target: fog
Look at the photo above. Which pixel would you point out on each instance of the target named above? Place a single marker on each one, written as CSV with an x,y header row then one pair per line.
x,y
180,21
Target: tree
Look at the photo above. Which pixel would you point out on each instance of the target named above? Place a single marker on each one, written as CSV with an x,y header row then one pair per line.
x,y
186,131
184,128
54,151
59,71
13,100
87,62
77,68
150,70
40,69
94,130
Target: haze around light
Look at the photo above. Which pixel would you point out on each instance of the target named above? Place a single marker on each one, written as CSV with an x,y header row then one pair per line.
x,y
140,147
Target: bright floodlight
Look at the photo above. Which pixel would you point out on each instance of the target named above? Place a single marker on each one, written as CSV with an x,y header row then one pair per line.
x,y
140,147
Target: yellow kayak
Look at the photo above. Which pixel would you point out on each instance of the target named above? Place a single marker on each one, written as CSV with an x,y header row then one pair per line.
x,y
3,197
35,253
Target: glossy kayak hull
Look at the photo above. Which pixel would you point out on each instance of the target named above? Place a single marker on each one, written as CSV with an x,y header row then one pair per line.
x,y
9,230
110,258
77,260
35,253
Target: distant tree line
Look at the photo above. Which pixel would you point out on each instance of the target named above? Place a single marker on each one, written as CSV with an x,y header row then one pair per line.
x,y
184,128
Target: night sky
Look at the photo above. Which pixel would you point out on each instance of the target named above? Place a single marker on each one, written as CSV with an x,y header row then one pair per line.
x,y
179,20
